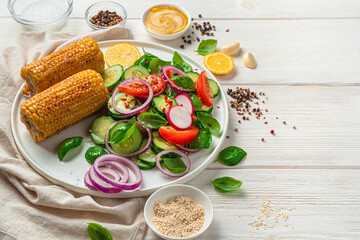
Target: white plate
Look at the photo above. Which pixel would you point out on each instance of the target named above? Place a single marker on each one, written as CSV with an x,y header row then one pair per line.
x,y
43,158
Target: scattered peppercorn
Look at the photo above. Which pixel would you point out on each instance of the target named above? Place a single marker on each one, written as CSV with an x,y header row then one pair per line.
x,y
227,30
105,18
189,41
272,132
236,130
294,127
227,136
284,122
262,139
200,16
182,46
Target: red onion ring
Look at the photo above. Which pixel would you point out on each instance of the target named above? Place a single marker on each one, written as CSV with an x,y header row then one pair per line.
x,y
145,104
101,185
120,160
141,151
166,78
88,183
188,150
116,166
168,173
106,170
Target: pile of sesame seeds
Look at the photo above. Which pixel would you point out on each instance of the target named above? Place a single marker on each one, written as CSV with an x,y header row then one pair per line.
x,y
270,216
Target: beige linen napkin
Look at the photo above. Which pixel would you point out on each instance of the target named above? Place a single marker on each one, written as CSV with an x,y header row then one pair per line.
x,y
31,207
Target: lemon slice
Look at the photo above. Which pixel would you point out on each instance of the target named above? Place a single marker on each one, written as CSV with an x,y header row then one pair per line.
x,y
219,63
124,54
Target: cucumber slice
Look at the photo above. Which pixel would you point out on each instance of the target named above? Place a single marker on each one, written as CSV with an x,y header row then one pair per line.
x,y
204,108
159,144
193,75
112,76
147,157
130,145
136,71
99,127
162,104
214,88
141,165
122,101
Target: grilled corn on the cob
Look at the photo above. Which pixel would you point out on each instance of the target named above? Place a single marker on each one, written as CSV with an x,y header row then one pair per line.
x,y
45,72
63,104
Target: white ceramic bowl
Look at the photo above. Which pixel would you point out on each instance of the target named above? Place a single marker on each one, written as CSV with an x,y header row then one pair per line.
x,y
163,194
166,36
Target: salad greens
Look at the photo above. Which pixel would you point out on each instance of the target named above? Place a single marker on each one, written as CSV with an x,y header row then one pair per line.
x,y
207,46
202,140
93,153
183,81
208,121
232,155
67,145
196,102
174,165
123,133
98,232
178,62
152,120
226,184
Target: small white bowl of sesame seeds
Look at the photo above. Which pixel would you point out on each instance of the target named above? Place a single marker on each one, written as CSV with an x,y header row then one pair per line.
x,y
178,212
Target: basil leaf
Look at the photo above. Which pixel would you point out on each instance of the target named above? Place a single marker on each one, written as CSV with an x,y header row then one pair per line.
x,y
196,102
93,153
98,232
232,155
207,46
66,145
208,121
142,59
155,66
174,165
183,81
152,120
171,93
123,133
202,140
226,184
177,60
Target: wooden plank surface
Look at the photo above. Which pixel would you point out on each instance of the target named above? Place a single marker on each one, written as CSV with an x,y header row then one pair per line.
x,y
236,9
322,203
294,52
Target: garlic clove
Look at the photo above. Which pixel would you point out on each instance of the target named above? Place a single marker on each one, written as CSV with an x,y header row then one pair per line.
x,y
231,49
249,60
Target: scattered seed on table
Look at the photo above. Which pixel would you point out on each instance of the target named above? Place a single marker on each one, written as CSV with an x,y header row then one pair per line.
x,y
284,122
236,130
182,46
272,131
227,136
262,139
200,16
294,127
227,30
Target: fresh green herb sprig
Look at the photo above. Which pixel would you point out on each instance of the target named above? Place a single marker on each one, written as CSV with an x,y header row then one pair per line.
x,y
232,155
67,145
152,120
207,121
180,63
123,133
98,232
226,184
183,82
207,46
93,153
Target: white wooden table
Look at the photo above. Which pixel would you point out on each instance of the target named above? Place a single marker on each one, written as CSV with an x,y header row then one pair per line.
x,y
308,55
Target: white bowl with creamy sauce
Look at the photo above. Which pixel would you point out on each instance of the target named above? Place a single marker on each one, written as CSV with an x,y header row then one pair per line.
x,y
172,191
166,21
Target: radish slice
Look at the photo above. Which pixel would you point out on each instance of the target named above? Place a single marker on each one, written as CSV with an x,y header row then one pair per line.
x,y
179,118
184,101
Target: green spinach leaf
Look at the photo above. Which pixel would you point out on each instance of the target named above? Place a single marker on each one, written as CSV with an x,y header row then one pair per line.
x,y
123,133
98,232
183,81
174,165
93,153
67,145
226,184
202,140
171,93
207,120
178,61
207,46
152,120
232,155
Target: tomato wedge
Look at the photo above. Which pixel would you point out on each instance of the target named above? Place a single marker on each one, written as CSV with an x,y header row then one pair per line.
x,y
181,137
140,90
203,90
